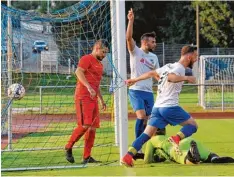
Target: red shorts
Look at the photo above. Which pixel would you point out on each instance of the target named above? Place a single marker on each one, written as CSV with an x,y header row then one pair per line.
x,y
87,112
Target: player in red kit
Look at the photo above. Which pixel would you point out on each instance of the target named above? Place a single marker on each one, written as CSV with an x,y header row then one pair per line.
x,y
89,74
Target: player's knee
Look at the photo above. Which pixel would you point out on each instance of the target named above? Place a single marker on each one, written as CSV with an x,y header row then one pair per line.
x,y
86,127
194,123
141,114
92,129
150,130
191,121
194,128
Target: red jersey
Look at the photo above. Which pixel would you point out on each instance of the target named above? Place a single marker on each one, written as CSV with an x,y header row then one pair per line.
x,y
93,74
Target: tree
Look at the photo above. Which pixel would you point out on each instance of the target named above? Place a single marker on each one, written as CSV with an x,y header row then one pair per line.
x,y
22,5
182,26
217,22
63,4
43,7
149,16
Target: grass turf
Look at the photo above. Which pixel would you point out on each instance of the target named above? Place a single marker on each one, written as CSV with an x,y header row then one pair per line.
x,y
216,135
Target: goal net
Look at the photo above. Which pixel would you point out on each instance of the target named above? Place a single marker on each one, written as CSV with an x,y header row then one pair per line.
x,y
43,54
217,81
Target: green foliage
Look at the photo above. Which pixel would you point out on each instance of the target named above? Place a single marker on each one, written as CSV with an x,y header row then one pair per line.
x,y
63,4
175,22
181,28
24,5
149,16
43,7
217,22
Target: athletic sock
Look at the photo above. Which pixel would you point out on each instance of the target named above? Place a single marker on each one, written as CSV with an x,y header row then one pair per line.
x,y
138,143
187,131
88,142
76,135
139,127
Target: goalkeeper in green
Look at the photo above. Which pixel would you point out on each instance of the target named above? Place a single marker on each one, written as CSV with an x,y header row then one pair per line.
x,y
159,149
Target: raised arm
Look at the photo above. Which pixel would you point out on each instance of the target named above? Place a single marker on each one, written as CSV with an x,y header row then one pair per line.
x,y
129,33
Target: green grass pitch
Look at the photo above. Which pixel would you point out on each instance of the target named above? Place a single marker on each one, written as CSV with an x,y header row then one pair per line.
x,y
215,134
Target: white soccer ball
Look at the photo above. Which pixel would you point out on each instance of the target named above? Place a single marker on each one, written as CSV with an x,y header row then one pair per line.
x,y
16,91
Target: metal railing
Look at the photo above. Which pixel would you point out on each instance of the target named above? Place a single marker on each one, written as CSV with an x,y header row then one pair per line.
x,y
220,100
52,87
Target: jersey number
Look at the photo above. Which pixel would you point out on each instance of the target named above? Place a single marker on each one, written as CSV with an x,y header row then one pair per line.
x,y
162,81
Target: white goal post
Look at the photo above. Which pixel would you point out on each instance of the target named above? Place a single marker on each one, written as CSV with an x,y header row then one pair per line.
x,y
217,81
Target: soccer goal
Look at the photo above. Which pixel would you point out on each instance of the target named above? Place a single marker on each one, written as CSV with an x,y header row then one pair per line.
x,y
36,128
217,81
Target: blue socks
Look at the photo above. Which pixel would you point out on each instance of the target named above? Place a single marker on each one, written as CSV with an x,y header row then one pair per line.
x,y
139,127
138,143
188,130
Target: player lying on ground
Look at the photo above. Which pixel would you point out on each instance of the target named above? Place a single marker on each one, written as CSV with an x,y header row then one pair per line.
x,y
166,109
158,149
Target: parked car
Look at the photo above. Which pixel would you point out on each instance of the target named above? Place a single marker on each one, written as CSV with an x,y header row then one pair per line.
x,y
39,46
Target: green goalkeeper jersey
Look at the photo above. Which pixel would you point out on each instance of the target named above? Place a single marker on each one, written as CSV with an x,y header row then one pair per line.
x,y
160,146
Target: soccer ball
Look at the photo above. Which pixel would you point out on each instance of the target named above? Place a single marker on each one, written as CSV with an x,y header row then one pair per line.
x,y
16,91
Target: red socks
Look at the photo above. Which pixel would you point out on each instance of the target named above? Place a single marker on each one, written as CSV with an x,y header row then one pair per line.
x,y
76,135
88,139
88,142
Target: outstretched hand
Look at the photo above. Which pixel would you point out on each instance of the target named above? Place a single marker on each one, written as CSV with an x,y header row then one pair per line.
x,y
130,82
191,79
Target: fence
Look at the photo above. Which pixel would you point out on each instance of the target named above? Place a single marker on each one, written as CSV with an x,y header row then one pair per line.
x,y
170,53
167,53
222,101
57,87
